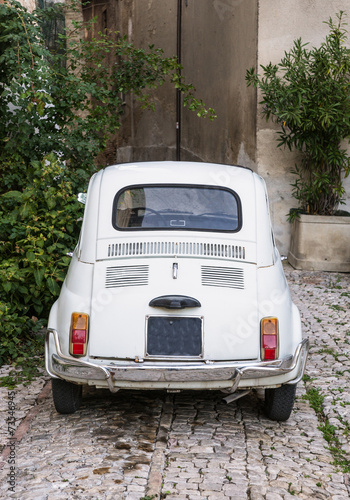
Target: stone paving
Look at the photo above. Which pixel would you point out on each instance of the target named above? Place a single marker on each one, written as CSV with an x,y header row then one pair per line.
x,y
134,445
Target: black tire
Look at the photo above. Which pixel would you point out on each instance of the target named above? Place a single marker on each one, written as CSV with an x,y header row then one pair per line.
x,y
67,397
279,402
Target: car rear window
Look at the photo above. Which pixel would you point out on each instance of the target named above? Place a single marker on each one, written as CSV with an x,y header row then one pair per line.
x,y
177,207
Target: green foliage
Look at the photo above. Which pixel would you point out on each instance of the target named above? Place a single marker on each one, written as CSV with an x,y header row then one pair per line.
x,y
19,345
308,95
12,326
38,226
315,399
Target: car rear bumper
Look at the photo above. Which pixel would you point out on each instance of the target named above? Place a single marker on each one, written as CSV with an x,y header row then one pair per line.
x,y
151,374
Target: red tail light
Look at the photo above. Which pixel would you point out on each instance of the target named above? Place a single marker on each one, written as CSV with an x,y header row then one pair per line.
x,y
269,339
78,334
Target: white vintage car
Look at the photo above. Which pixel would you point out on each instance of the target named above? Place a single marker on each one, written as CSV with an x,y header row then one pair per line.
x,y
176,283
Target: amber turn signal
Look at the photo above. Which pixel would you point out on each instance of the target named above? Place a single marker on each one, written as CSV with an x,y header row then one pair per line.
x,y
269,339
78,334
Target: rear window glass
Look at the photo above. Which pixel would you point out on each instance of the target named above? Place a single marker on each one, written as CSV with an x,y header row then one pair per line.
x,y
177,208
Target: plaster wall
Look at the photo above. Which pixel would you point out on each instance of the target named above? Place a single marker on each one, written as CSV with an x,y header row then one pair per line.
x,y
28,4
280,23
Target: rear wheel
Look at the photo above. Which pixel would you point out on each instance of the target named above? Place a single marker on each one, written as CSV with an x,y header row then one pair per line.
x,y
67,397
279,402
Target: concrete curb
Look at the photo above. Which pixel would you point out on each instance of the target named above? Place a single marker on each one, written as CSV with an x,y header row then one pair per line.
x,y
155,477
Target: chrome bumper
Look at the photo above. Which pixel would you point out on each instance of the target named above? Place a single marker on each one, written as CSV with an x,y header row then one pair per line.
x,y
67,367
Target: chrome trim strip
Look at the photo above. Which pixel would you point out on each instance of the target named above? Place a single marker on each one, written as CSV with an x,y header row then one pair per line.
x,y
180,372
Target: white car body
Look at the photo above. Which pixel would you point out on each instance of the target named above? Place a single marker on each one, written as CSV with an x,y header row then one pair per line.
x,y
235,276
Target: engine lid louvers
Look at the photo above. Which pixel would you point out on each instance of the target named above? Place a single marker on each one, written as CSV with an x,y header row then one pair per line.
x,y
121,276
222,277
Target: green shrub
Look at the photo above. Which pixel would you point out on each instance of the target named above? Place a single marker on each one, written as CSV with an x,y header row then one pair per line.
x,y
38,226
308,95
20,345
13,328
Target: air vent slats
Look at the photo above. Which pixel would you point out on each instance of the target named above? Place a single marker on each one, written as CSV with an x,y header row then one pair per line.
x,y
185,248
119,276
222,277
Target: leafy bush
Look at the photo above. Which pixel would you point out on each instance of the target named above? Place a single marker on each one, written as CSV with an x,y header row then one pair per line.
x,y
308,95
38,226
13,327
19,345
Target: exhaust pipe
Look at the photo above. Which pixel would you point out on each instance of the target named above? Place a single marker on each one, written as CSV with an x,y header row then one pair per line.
x,y
235,395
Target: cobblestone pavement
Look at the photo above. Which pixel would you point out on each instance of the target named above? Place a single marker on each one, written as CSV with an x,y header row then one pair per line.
x,y
193,445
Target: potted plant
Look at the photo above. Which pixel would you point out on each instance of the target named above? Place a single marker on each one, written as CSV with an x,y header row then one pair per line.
x,y
308,95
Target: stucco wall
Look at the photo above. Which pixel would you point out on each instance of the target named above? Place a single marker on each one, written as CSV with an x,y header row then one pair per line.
x,y
281,22
28,4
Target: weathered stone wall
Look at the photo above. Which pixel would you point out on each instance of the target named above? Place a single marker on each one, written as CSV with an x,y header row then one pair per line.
x,y
281,22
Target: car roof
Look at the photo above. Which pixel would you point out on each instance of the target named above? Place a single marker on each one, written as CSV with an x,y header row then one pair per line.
x,y
172,172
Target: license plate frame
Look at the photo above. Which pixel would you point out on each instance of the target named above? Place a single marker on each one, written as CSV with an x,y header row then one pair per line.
x,y
174,336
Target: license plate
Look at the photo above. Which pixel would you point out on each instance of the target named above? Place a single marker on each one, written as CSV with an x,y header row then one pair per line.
x,y
174,336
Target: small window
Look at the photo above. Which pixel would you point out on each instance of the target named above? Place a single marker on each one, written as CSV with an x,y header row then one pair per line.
x,y
177,207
